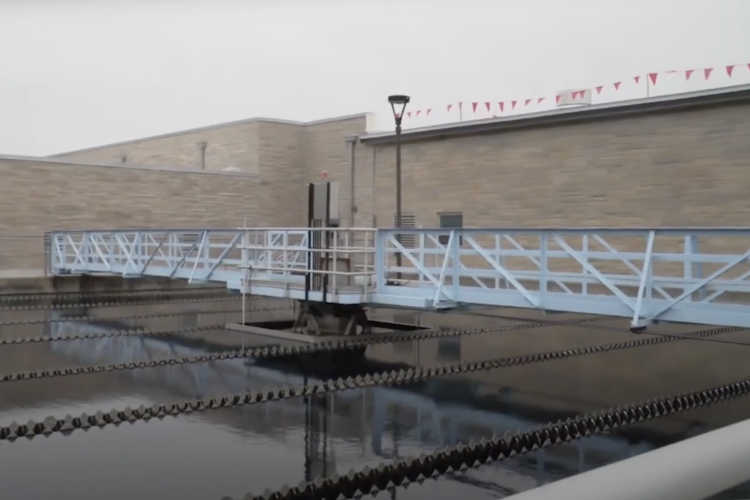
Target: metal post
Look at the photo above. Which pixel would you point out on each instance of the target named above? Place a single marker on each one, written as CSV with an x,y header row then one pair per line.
x,y
694,469
398,194
398,105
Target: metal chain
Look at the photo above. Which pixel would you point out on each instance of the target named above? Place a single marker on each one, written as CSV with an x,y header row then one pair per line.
x,y
61,296
68,424
71,319
212,297
264,352
472,455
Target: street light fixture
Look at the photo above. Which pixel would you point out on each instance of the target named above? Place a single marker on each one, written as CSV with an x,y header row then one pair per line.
x,y
398,105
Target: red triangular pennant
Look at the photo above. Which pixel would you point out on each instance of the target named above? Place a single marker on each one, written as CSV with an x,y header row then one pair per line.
x,y
582,93
688,74
449,107
527,102
419,111
637,79
707,73
540,100
653,77
398,115
474,106
408,114
429,110
730,69
501,105
513,104
599,89
617,85
574,95
557,99
488,105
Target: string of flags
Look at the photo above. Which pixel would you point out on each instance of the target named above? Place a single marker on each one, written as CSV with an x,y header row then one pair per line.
x,y
651,79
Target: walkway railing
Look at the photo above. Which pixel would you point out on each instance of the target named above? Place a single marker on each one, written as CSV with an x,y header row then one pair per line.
x,y
691,275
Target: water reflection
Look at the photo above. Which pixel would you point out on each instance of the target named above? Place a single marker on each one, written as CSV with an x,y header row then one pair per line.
x,y
206,455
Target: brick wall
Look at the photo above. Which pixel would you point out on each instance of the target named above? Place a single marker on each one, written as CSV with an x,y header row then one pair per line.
x,y
40,195
285,155
326,149
230,145
673,169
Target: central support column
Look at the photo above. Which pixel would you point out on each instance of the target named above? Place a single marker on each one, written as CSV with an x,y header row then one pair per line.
x,y
323,318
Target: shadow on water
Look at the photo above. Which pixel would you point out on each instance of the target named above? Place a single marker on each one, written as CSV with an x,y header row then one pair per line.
x,y
207,455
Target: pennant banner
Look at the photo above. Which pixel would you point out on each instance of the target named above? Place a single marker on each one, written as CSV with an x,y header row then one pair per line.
x,y
582,96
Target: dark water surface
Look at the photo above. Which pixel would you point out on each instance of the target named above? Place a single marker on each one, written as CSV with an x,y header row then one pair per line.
x,y
208,455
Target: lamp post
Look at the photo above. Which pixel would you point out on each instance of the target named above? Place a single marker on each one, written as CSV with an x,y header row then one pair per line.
x,y
398,105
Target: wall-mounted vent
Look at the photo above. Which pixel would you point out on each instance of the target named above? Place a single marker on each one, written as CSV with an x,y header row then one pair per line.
x,y
408,221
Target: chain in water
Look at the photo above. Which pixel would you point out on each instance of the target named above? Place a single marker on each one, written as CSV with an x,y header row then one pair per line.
x,y
68,424
355,484
264,352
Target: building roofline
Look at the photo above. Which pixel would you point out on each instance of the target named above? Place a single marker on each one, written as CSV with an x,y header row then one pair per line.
x,y
207,128
59,161
669,103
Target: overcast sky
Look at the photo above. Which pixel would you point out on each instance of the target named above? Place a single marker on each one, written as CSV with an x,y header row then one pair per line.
x,y
80,73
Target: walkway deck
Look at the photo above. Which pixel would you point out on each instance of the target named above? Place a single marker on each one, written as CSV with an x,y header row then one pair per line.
x,y
692,275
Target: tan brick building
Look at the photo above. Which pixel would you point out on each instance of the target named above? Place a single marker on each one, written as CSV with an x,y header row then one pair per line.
x,y
676,161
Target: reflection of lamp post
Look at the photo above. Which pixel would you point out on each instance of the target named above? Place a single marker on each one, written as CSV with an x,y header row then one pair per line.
x,y
398,105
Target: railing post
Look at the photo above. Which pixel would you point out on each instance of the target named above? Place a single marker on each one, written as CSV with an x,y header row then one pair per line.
x,y
380,260
455,251
584,271
691,248
543,270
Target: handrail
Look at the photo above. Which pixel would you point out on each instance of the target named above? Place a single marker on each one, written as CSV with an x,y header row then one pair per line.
x,y
694,469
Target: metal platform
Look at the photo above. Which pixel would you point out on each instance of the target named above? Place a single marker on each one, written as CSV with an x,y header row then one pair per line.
x,y
692,275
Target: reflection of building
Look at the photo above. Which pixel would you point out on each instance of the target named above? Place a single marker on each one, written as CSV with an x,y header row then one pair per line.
x,y
577,384
395,422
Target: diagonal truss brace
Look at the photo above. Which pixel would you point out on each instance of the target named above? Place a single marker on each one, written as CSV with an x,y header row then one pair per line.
x,y
439,245
645,277
629,264
595,272
536,262
95,243
739,260
427,274
504,272
223,255
153,254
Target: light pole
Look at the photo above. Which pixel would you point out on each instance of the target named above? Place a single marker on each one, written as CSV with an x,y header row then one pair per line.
x,y
398,105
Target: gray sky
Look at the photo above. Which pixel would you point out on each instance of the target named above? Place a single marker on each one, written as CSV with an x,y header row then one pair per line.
x,y
80,73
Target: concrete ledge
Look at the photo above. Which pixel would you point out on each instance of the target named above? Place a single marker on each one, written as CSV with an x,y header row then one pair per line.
x,y
310,339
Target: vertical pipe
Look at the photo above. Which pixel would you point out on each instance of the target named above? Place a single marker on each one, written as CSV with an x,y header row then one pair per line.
x,y
374,206
325,243
352,166
202,146
310,216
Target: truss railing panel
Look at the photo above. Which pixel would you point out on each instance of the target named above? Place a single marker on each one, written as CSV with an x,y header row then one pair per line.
x,y
266,261
686,275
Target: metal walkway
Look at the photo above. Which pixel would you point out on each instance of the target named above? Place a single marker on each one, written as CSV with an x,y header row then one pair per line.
x,y
682,275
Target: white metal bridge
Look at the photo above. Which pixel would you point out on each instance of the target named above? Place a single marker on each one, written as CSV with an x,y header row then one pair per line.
x,y
692,275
